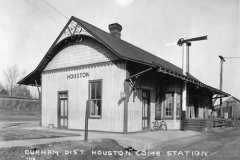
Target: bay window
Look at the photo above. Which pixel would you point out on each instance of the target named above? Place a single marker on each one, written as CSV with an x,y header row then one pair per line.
x,y
169,106
178,105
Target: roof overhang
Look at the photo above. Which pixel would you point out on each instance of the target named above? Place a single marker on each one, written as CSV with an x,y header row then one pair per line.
x,y
193,81
34,78
143,57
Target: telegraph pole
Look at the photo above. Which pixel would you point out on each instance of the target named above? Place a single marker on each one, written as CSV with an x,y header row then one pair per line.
x,y
222,59
221,81
185,67
186,43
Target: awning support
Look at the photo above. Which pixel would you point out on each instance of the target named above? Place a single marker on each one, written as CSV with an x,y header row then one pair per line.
x,y
133,79
132,88
219,97
214,99
138,74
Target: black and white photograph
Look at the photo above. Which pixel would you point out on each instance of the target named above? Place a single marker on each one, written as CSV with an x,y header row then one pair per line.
x,y
119,79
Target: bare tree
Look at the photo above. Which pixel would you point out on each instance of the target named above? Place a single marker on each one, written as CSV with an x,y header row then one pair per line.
x,y
3,91
11,75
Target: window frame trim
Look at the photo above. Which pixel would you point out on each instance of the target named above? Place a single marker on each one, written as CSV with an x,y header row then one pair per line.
x,y
164,108
180,114
58,107
89,95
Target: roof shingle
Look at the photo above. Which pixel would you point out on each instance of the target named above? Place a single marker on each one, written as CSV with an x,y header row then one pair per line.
x,y
121,48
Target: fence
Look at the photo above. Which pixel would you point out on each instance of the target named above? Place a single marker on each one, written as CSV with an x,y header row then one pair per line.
x,y
12,105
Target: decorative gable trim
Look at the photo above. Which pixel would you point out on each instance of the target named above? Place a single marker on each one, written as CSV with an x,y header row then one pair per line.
x,y
118,63
74,53
73,28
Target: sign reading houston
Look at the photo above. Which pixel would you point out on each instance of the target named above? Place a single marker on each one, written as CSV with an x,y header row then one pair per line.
x,y
78,75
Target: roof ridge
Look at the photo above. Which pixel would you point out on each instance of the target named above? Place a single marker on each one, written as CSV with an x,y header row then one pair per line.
x,y
121,48
178,69
235,98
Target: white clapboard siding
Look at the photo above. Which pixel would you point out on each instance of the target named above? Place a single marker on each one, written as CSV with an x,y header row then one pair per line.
x,y
173,124
135,112
112,113
85,53
86,59
135,108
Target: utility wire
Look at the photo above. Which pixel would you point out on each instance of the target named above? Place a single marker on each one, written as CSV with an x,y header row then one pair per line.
x,y
34,5
231,57
55,9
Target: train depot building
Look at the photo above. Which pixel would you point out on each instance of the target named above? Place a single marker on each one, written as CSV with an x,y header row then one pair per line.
x,y
230,109
128,87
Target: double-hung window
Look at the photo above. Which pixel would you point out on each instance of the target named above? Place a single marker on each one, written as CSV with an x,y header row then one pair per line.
x,y
178,103
95,97
169,104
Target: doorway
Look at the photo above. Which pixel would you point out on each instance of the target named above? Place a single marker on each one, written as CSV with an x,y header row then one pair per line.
x,y
63,110
145,110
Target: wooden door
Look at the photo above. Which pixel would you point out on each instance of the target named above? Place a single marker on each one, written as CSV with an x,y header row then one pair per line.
x,y
145,110
63,110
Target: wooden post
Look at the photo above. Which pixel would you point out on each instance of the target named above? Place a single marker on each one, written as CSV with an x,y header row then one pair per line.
x,y
37,88
40,99
221,75
186,43
185,67
86,121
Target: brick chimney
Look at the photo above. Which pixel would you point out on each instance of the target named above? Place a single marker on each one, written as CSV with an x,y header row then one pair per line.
x,y
115,30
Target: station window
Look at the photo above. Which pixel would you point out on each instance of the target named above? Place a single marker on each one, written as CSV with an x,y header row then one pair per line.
x,y
169,104
178,103
95,97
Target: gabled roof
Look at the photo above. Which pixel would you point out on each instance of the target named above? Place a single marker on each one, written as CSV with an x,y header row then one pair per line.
x,y
232,98
236,99
128,51
227,100
122,49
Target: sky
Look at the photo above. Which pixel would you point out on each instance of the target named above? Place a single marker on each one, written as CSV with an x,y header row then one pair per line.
x,y
29,27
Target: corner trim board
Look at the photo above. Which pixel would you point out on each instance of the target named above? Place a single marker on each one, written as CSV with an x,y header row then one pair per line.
x,y
125,109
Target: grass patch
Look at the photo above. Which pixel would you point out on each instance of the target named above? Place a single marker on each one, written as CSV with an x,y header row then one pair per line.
x,y
16,116
73,150
21,134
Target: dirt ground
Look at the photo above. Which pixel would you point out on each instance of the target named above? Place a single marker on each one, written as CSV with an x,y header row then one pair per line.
x,y
216,144
21,134
12,127
219,144
104,149
9,117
